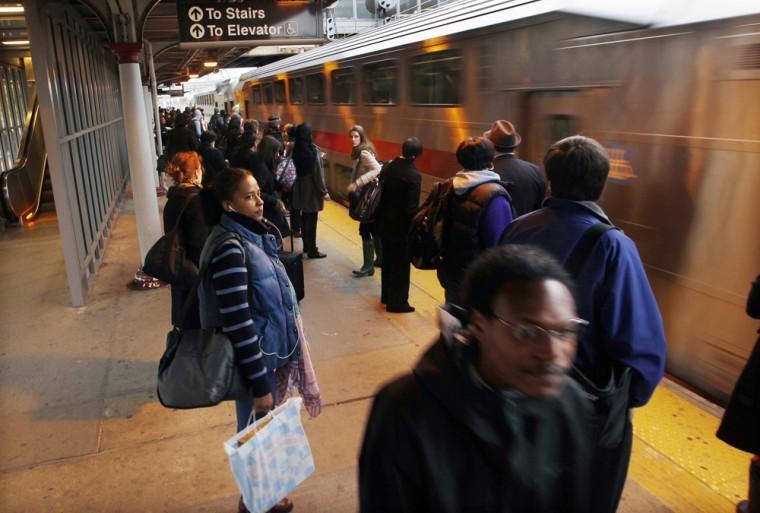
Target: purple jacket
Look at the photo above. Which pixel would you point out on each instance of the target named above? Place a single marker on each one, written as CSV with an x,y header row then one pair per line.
x,y
613,293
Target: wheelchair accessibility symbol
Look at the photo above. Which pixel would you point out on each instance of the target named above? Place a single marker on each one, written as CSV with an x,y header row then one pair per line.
x,y
291,28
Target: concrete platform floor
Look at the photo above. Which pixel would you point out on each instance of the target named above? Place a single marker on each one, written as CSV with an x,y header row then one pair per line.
x,y
81,429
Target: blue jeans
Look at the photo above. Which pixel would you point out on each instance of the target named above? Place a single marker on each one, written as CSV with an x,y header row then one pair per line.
x,y
243,407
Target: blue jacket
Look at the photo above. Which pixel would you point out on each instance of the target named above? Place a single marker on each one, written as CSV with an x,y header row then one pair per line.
x,y
271,297
613,293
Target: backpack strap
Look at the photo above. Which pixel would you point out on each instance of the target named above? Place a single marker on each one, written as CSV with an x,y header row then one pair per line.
x,y
584,246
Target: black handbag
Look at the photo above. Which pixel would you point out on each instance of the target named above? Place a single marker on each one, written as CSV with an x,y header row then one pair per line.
x,y
610,405
198,367
167,259
293,264
365,207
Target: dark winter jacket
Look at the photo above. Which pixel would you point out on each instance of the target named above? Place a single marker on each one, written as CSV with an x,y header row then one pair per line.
x,y
193,234
441,441
400,199
468,216
528,186
213,162
181,139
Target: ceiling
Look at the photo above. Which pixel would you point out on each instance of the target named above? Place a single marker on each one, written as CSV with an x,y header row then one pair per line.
x,y
160,27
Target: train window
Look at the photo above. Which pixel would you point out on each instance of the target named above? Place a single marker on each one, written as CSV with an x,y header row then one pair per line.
x,y
279,92
560,126
380,81
315,88
343,86
436,78
257,95
268,94
297,95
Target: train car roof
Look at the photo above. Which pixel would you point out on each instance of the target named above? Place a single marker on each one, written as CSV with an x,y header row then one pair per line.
x,y
468,15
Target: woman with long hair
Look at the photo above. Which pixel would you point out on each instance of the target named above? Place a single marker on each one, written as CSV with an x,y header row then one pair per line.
x,y
183,206
246,294
309,189
366,168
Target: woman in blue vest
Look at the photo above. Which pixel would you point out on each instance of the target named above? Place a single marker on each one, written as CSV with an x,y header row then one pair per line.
x,y
246,292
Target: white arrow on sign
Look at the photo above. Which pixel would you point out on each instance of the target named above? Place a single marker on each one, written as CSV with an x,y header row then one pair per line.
x,y
197,31
195,13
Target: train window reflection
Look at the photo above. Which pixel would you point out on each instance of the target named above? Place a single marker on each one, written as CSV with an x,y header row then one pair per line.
x,y
257,95
436,77
268,95
380,82
343,86
315,88
297,96
279,92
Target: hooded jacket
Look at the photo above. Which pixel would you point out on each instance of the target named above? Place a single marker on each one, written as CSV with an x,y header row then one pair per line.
x,y
440,440
474,220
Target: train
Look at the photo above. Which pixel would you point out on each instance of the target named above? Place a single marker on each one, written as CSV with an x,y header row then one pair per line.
x,y
673,96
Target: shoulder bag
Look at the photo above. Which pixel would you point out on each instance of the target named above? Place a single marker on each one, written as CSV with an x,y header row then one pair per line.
x,y
610,403
198,368
167,259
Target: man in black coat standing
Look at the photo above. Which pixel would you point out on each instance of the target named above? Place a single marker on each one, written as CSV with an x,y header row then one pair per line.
x,y
528,184
398,204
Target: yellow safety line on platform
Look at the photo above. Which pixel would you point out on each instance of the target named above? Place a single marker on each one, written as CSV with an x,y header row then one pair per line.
x,y
684,433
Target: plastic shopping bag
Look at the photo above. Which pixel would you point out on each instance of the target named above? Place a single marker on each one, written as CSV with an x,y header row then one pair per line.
x,y
270,457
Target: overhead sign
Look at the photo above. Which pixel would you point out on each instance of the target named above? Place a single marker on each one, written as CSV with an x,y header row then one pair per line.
x,y
204,23
171,92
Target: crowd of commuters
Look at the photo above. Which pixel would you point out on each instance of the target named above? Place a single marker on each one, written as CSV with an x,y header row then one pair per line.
x,y
547,304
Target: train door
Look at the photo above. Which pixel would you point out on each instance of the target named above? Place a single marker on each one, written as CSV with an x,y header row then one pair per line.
x,y
552,115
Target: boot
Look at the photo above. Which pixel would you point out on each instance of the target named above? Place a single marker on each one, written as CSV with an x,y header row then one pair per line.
x,y
368,248
378,252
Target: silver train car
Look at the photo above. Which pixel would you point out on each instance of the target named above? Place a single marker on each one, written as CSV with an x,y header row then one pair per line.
x,y
675,101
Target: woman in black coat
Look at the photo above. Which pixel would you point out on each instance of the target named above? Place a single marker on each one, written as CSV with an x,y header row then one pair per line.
x,y
186,170
309,190
398,204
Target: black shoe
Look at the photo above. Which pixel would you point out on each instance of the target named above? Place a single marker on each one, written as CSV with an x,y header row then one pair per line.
x,y
315,254
363,272
407,308
378,263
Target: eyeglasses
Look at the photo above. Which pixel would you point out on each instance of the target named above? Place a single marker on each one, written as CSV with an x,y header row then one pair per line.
x,y
534,334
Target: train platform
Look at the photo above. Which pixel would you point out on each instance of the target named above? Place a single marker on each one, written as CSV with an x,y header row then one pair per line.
x,y
81,429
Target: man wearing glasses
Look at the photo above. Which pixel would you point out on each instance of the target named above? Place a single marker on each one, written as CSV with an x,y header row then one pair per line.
x,y
488,421
626,333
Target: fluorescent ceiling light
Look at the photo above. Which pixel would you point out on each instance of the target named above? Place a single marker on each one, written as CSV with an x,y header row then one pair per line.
x,y
210,64
18,42
193,75
11,9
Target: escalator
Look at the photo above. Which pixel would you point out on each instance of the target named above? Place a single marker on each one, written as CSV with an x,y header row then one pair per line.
x,y
25,188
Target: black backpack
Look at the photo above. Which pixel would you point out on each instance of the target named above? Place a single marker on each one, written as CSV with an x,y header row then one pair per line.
x,y
425,238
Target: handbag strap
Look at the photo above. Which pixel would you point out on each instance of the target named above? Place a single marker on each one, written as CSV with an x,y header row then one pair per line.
x,y
201,273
